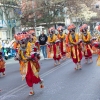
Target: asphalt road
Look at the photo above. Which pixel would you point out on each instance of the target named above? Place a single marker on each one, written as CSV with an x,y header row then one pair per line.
x,y
61,82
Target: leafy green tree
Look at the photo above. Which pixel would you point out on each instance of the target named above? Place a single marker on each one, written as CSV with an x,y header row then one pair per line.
x,y
10,15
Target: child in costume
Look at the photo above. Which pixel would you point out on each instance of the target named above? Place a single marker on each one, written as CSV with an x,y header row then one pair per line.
x,y
61,37
57,57
97,45
2,65
27,68
74,42
86,38
52,38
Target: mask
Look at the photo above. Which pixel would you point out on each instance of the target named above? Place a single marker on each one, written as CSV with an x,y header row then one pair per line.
x,y
51,35
73,36
85,34
30,39
60,33
72,30
23,47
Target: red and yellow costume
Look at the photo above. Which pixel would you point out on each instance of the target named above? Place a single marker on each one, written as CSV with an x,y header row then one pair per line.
x,y
76,53
97,45
34,41
35,47
2,64
57,49
67,46
87,48
29,67
53,46
61,37
95,50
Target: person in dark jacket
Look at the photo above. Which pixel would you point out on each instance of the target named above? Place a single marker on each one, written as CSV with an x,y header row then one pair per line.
x,y
42,40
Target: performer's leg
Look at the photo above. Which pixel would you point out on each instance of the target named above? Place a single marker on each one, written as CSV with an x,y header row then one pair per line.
x,y
90,59
64,57
30,84
76,68
90,56
55,62
2,71
31,91
86,60
3,74
79,65
41,83
58,62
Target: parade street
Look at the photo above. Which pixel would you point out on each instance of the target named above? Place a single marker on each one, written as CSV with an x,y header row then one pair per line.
x,y
61,82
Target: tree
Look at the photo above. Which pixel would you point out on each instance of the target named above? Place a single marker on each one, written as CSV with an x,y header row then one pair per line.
x,y
9,12
46,11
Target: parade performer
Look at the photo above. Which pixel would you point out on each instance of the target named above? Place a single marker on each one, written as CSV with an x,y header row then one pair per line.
x,y
86,38
68,46
74,42
57,57
97,45
2,65
37,46
27,68
94,49
34,45
54,46
33,41
33,36
61,37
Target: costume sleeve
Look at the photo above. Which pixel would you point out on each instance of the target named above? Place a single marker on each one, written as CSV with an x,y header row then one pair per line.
x,y
90,36
64,37
28,50
77,37
55,38
81,36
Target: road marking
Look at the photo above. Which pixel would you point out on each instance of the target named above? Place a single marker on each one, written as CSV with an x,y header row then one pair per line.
x,y
55,68
19,88
13,62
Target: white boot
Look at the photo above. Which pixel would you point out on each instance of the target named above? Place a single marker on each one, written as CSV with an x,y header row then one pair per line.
x,y
58,62
79,66
31,91
76,68
55,63
86,61
90,60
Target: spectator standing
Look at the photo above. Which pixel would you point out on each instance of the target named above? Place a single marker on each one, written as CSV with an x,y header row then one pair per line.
x,y
42,40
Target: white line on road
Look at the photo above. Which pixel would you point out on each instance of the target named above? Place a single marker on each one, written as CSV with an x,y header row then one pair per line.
x,y
15,90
